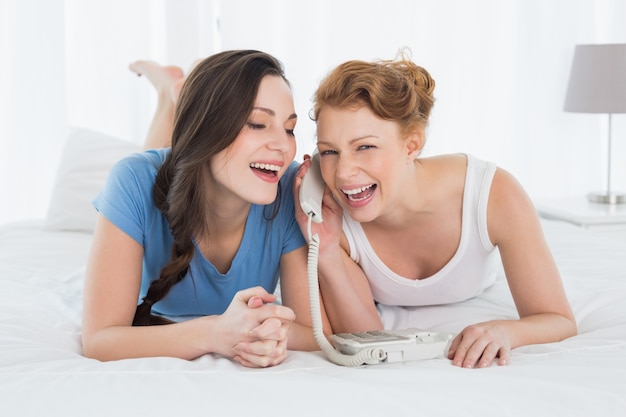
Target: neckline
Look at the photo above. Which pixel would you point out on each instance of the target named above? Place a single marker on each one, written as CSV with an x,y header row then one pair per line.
x,y
244,245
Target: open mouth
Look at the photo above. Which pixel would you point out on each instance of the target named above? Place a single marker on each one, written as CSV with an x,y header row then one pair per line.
x,y
361,193
265,169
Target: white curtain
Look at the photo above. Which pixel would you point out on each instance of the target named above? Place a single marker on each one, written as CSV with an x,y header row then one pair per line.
x,y
501,68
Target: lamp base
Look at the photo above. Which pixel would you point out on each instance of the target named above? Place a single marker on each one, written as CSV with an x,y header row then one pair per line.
x,y
607,198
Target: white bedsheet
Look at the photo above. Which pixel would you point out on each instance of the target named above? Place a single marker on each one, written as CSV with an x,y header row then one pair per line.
x,y
42,371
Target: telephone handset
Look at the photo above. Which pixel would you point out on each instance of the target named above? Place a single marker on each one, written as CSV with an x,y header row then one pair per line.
x,y
353,349
312,189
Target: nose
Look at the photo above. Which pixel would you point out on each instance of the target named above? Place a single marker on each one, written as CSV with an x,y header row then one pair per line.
x,y
281,141
346,166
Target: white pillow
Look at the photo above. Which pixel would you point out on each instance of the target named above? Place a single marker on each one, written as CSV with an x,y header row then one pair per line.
x,y
85,164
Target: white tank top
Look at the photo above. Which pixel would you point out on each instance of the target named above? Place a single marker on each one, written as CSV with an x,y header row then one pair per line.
x,y
471,270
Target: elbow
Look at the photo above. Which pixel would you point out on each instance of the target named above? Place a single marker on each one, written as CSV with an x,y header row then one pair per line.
x,y
573,327
93,350
89,350
569,328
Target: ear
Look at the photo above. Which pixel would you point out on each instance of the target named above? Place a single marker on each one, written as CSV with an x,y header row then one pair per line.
x,y
414,144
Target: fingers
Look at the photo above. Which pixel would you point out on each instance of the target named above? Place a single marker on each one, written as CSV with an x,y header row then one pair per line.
x,y
261,354
272,320
269,349
255,329
303,168
280,312
257,301
504,356
272,329
248,293
262,348
479,346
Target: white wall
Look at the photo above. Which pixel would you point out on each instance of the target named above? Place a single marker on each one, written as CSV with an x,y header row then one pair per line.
x,y
501,68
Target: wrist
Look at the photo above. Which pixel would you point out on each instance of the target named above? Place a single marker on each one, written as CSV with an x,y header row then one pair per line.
x,y
329,251
209,338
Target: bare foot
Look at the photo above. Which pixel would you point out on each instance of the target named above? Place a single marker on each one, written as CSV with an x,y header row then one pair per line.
x,y
176,87
178,84
166,79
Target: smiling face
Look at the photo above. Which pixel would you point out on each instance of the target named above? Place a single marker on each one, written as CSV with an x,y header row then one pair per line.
x,y
252,165
364,160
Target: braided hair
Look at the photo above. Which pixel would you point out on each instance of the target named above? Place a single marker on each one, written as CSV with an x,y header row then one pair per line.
x,y
213,106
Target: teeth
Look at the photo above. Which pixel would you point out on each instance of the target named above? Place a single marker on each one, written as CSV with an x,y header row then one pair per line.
x,y
267,167
357,190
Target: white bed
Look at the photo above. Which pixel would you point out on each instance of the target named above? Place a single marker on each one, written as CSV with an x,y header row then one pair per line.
x,y
42,371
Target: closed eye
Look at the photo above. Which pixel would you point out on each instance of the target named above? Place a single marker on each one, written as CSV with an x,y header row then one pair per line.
x,y
255,126
290,132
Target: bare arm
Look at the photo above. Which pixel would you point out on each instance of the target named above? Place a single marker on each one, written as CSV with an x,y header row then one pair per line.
x,y
112,283
348,297
295,295
532,275
344,288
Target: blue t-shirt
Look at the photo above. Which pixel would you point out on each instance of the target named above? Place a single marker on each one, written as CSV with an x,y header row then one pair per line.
x,y
127,201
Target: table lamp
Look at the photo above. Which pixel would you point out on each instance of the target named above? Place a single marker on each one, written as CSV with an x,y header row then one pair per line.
x,y
597,84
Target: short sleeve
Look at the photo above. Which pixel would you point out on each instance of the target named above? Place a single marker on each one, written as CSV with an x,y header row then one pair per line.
x,y
126,199
293,235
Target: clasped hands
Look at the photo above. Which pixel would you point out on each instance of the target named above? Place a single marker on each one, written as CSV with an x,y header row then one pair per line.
x,y
255,331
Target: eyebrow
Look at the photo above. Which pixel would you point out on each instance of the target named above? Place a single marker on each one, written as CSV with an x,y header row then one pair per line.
x,y
273,113
352,141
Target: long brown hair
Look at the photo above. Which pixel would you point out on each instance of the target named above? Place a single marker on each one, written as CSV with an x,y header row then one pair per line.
x,y
213,106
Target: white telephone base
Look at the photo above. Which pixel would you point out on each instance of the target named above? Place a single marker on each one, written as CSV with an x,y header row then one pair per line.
x,y
398,345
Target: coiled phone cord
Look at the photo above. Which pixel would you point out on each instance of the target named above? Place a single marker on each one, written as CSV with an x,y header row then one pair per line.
x,y
369,355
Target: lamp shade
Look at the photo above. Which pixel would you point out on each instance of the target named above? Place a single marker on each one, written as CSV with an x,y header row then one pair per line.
x,y
597,82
